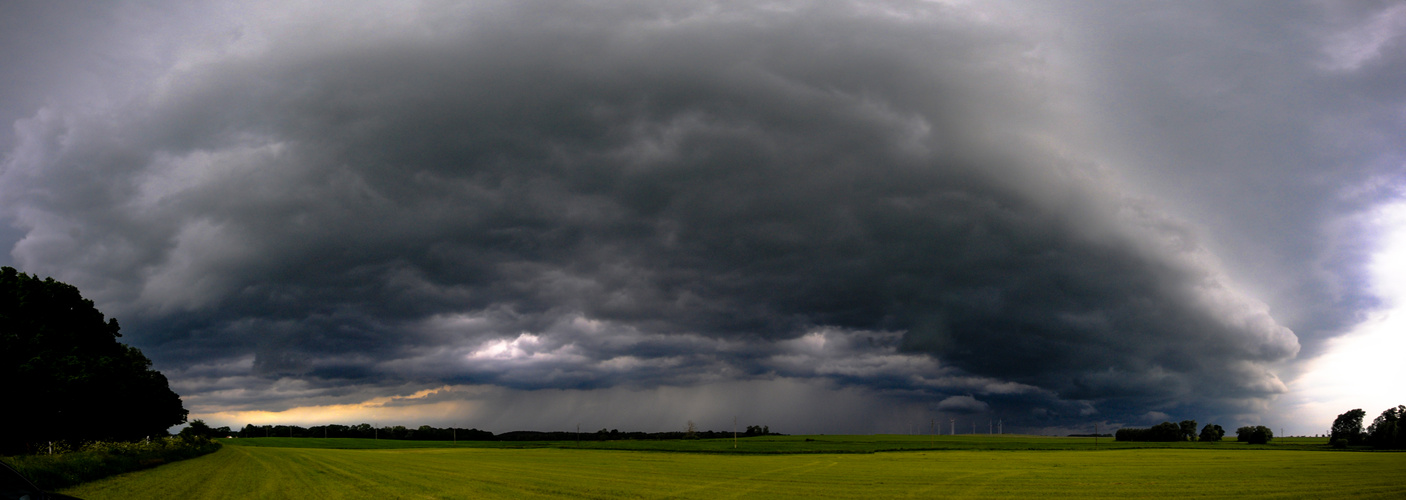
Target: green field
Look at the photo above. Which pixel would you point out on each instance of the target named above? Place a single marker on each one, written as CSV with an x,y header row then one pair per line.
x,y
793,444
1046,467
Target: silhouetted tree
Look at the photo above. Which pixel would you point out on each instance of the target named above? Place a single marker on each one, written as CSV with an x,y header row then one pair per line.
x,y
1165,431
1188,430
1211,432
1348,427
61,368
1257,434
757,430
198,428
1386,431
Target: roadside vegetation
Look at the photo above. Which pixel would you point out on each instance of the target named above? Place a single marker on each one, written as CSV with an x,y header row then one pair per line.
x,y
66,467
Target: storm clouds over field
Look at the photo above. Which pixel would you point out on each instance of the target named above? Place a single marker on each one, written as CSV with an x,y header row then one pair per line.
x,y
834,218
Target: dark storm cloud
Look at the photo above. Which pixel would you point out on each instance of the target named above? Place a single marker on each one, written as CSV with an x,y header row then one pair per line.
x,y
1270,124
545,196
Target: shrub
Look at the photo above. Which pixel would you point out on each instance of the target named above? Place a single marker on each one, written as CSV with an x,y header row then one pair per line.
x,y
1338,443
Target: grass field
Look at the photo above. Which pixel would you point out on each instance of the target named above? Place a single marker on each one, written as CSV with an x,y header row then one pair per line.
x,y
793,444
258,468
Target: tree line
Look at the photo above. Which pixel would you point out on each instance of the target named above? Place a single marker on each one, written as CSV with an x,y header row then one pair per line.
x,y
198,427
1171,432
1386,431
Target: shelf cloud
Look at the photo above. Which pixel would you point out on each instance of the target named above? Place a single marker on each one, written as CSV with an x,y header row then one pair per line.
x,y
890,201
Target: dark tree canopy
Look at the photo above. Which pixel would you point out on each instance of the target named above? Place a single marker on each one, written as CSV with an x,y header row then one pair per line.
x,y
1348,427
198,428
66,377
1388,431
1165,431
1188,430
1257,434
1211,432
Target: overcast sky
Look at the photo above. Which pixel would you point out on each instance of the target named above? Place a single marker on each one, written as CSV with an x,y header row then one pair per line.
x,y
822,217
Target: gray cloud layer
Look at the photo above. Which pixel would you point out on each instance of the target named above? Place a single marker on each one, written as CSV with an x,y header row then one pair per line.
x,y
621,198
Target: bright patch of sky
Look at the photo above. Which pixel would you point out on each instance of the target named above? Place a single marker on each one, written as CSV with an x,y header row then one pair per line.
x,y
1364,368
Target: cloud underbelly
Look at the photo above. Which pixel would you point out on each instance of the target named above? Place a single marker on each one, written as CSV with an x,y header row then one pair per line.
x,y
619,201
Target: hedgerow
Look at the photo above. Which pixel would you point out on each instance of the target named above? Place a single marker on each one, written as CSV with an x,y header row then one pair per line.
x,y
67,467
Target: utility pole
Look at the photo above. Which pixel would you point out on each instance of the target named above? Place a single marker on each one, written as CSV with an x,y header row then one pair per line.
x,y
999,429
932,432
578,435
953,429
734,432
454,433
1095,434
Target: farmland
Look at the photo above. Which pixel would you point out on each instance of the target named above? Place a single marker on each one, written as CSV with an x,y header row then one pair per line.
x,y
833,467
793,444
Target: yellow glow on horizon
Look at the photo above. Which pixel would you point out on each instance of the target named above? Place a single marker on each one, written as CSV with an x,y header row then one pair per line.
x,y
404,411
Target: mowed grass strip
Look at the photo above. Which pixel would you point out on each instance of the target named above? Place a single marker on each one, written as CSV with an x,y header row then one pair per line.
x,y
267,472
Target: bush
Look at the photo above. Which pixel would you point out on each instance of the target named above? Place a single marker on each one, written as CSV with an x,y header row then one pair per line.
x,y
1338,443
102,459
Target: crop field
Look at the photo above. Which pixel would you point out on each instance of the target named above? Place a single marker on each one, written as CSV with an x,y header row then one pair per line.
x,y
1062,468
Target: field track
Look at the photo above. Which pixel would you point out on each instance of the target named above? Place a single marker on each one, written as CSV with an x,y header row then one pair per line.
x,y
279,472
